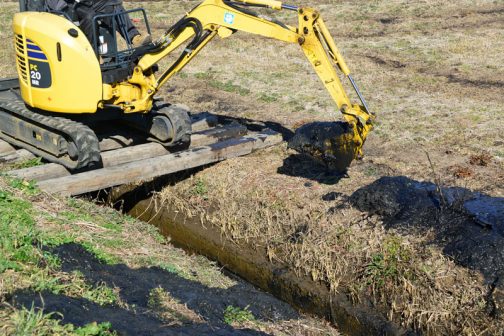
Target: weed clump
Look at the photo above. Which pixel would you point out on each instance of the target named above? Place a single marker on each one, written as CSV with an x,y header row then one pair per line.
x,y
237,315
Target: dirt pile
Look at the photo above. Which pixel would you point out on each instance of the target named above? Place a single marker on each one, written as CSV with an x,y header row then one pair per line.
x,y
468,226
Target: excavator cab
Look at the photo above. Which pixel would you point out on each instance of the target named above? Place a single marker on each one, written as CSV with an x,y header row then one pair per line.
x,y
116,55
48,57
61,71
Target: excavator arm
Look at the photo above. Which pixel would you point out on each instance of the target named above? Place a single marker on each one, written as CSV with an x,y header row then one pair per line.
x,y
225,17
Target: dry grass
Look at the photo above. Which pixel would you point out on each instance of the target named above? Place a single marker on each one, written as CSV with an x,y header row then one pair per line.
x,y
432,72
170,310
416,283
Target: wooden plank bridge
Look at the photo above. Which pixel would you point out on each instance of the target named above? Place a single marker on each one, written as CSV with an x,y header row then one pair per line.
x,y
127,158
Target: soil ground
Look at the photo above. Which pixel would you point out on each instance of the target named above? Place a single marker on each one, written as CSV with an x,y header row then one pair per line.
x,y
69,267
432,72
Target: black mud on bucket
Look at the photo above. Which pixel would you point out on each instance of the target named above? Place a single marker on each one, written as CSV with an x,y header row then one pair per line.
x,y
330,143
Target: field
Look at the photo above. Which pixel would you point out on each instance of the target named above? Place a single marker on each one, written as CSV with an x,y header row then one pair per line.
x,y
432,72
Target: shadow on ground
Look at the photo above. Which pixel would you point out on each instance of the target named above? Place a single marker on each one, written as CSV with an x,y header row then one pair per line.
x,y
468,226
135,286
257,125
300,165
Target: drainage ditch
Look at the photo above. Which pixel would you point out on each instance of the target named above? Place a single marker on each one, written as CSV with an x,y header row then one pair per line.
x,y
398,200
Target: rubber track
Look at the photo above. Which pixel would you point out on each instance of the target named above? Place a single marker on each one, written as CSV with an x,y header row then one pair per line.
x,y
180,120
81,135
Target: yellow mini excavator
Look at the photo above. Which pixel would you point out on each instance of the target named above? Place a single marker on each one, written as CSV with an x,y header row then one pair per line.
x,y
68,81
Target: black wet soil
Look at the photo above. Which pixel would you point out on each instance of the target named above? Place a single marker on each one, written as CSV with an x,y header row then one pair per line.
x,y
135,286
301,165
330,143
468,226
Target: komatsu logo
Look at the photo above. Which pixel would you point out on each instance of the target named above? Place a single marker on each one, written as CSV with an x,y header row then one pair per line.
x,y
229,18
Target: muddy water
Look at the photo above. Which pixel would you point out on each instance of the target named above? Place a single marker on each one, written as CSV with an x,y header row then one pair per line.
x,y
469,227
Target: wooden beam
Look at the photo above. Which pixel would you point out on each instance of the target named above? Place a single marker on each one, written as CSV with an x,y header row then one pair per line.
x,y
6,148
207,136
39,173
202,121
19,155
133,153
158,166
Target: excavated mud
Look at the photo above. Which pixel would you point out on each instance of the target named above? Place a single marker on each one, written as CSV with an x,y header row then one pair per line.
x,y
330,143
468,226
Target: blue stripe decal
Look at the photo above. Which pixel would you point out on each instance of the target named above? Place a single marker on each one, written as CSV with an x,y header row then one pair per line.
x,y
28,40
33,47
37,55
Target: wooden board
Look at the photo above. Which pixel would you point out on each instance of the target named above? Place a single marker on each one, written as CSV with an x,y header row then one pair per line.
x,y
133,153
6,148
19,155
158,166
203,121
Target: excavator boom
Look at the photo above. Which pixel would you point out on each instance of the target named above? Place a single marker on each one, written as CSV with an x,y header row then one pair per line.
x,y
224,17
122,84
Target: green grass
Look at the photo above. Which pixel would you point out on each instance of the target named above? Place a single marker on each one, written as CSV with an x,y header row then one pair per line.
x,y
17,233
28,187
101,294
21,252
200,188
34,162
170,268
227,86
268,98
95,329
101,255
24,322
388,265
21,249
237,315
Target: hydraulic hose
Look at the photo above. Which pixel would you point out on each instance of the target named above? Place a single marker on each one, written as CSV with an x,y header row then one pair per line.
x,y
175,30
239,7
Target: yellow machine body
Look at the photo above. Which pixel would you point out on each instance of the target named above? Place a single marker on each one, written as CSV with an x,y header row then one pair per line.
x,y
58,72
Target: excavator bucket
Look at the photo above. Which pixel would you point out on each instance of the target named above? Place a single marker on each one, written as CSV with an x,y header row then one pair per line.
x,y
330,143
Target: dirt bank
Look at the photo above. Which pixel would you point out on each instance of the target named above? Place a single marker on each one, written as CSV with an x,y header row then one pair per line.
x,y
465,226
253,265
69,267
